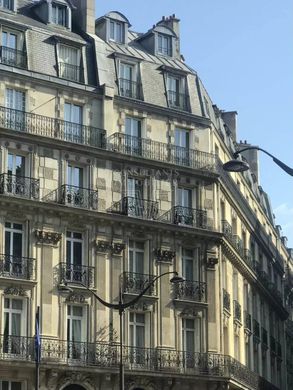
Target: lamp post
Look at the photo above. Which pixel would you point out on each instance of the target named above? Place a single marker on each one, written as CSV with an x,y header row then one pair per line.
x,y
237,165
120,306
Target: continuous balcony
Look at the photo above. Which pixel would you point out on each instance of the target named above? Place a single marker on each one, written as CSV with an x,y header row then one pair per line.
x,y
74,196
13,57
135,283
130,89
76,273
20,186
179,101
15,267
135,207
159,151
191,291
52,128
179,215
71,72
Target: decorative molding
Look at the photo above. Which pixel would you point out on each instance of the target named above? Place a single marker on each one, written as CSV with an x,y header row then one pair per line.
x,y
75,377
103,246
49,238
165,255
117,248
14,290
75,298
139,382
211,259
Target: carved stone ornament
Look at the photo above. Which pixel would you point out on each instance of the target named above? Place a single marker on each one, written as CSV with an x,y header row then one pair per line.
x,y
13,290
117,248
165,255
76,378
49,238
190,312
211,262
103,246
75,298
141,306
138,382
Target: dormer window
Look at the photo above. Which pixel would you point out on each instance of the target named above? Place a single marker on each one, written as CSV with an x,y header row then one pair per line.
x,y
69,63
59,14
165,45
7,4
116,31
129,84
176,92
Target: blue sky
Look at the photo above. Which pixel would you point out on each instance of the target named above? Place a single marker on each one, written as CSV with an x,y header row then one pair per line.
x,y
243,52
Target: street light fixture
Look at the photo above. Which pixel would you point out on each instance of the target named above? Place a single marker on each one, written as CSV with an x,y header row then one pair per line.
x,y
120,306
237,165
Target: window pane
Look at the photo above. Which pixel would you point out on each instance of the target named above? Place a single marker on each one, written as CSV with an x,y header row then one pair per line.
x,y
77,253
17,244
7,243
77,311
17,304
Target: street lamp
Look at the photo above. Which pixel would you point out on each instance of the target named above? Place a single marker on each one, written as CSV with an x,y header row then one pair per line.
x,y
237,165
120,306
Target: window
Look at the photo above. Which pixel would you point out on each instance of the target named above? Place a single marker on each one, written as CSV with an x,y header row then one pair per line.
x,y
184,197
74,269
164,45
13,263
10,385
137,337
73,123
116,31
76,332
176,93
13,326
69,63
128,85
191,340
190,266
59,14
15,180
135,199
8,4
15,106
235,285
74,193
136,257
183,210
182,140
133,136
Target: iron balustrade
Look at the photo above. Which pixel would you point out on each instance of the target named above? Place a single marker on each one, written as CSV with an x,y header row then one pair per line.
x,y
71,72
134,283
247,321
74,196
17,267
191,290
256,331
22,186
233,239
17,348
264,338
129,88
226,301
13,57
178,100
159,151
186,216
135,207
76,273
52,127
237,311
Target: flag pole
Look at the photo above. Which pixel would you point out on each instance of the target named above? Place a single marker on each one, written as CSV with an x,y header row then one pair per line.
x,y
37,349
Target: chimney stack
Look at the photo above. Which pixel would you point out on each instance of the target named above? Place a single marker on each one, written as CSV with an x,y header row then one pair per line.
x,y
85,15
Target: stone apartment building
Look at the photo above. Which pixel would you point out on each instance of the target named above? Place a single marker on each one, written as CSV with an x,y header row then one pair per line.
x,y
111,174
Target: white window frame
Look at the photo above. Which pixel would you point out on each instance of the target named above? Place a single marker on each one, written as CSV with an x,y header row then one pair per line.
x,y
133,325
194,258
59,7
11,3
72,240
134,248
13,230
165,47
197,334
114,37
82,318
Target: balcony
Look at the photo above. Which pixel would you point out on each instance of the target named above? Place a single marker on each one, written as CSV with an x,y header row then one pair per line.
x,y
135,283
256,331
179,215
20,186
264,338
179,101
247,323
191,291
76,273
237,311
17,267
159,151
130,89
71,72
13,57
233,239
226,301
135,207
52,128
74,196
17,348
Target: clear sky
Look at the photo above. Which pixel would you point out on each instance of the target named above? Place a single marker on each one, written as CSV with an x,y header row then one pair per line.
x,y
243,52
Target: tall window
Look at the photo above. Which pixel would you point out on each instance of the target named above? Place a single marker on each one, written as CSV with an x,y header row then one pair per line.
x,y
128,81
190,267
9,45
14,326
191,340
15,181
15,106
69,63
116,31
10,385
235,285
176,93
73,122
13,265
59,14
74,193
135,192
137,336
136,257
76,331
8,4
164,45
133,136
182,147
74,243
184,197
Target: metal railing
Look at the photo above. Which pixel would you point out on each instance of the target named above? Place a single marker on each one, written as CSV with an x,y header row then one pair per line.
x,y
13,57
135,207
74,196
186,216
71,72
17,348
22,186
247,321
134,283
226,301
237,311
233,239
191,290
51,127
178,100
159,151
17,267
76,273
129,88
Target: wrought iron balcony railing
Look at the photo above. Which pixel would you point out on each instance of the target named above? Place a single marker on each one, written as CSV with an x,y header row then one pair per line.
x,y
135,207
71,72
159,151
247,322
21,186
74,196
256,331
186,216
178,100
51,127
17,348
76,273
191,290
264,338
13,57
233,239
226,301
134,283
17,267
129,88
237,311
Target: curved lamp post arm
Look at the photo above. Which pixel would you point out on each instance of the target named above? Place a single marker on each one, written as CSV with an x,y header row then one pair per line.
x,y
275,159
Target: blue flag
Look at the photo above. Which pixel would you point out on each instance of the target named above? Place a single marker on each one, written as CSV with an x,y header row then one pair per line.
x,y
37,337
